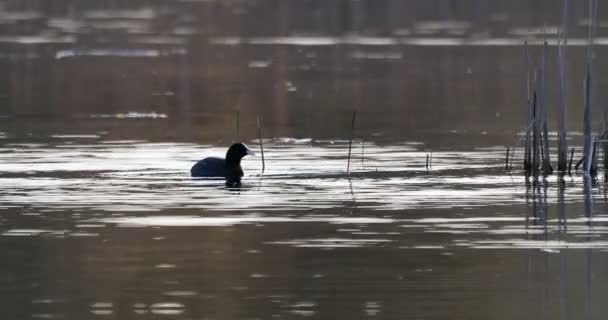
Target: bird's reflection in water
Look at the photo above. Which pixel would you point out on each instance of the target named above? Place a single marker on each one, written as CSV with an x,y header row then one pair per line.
x,y
239,186
233,185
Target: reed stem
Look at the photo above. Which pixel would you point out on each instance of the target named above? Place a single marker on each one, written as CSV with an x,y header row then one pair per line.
x,y
350,142
588,147
562,152
512,158
588,139
261,143
535,136
362,154
527,144
570,162
605,152
546,158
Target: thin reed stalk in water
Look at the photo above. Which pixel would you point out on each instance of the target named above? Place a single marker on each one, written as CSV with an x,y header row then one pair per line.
x,y
603,142
589,158
427,162
261,143
588,139
512,158
527,144
580,163
605,157
562,48
362,154
350,142
546,158
594,156
592,27
507,159
535,137
570,162
589,165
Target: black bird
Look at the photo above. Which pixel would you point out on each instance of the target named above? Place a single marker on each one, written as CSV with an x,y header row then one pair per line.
x,y
229,168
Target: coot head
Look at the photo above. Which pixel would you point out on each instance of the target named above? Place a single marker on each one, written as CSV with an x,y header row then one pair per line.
x,y
233,169
236,152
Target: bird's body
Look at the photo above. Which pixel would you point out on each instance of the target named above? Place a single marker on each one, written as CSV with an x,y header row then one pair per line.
x,y
229,168
209,167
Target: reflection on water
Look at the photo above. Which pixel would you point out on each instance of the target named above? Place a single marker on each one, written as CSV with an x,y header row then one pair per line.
x,y
112,175
105,106
96,228
415,64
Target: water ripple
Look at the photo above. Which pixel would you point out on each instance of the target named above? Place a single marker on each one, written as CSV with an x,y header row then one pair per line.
x,y
136,176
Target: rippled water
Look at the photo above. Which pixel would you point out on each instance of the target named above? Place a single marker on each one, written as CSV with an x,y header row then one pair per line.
x,y
96,228
105,106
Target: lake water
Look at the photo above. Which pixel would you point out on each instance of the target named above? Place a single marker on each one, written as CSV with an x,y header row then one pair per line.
x,y
92,227
105,106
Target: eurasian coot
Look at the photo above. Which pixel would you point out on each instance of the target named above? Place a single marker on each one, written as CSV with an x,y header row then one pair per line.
x,y
229,168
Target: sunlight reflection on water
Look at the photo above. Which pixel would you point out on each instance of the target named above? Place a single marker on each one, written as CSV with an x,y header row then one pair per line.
x,y
124,175
127,181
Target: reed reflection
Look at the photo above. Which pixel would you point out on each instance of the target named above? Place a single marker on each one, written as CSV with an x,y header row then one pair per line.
x,y
561,204
539,198
542,260
536,198
588,182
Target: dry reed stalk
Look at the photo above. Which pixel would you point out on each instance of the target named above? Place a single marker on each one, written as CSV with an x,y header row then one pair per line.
x,y
362,154
261,143
546,158
588,147
535,136
527,143
562,48
350,142
570,162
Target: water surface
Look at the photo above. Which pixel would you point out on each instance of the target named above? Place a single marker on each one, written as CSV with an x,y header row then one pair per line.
x,y
93,227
